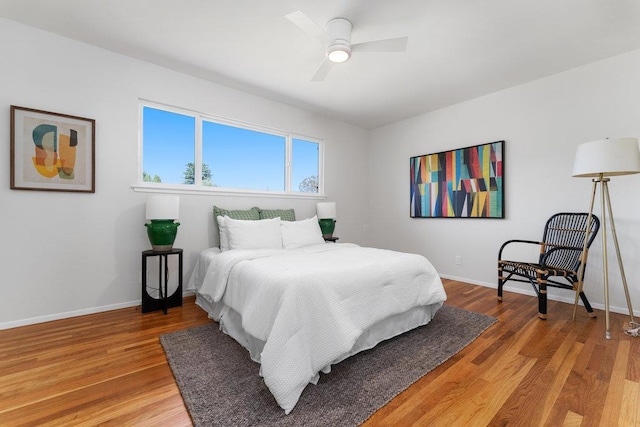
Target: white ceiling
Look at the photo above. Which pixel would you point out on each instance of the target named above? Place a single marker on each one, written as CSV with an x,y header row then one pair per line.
x,y
457,49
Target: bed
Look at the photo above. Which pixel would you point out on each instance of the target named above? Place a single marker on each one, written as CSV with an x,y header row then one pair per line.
x,y
300,305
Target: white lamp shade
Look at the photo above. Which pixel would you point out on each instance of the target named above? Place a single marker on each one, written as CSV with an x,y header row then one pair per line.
x,y
326,210
607,157
163,206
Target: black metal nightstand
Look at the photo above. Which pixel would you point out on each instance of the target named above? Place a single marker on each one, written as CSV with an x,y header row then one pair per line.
x,y
150,303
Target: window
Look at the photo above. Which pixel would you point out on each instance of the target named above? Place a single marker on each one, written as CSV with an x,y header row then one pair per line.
x,y
187,150
169,140
304,160
243,158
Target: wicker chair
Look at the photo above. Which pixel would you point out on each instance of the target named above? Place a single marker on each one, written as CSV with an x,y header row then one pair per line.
x,y
561,253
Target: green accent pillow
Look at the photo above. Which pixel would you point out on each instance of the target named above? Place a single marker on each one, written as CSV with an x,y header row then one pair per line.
x,y
284,214
249,214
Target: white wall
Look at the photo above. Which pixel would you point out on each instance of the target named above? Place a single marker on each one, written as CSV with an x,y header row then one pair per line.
x,y
542,123
66,254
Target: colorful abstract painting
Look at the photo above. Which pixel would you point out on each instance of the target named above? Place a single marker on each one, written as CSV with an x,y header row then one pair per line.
x,y
51,151
462,183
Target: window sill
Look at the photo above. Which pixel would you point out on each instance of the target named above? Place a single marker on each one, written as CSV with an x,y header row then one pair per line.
x,y
182,189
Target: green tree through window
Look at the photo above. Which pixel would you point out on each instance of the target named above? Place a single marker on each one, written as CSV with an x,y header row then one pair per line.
x,y
190,175
148,178
309,185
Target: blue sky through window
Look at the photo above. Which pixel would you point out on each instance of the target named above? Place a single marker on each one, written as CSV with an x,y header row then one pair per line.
x,y
243,158
168,144
304,162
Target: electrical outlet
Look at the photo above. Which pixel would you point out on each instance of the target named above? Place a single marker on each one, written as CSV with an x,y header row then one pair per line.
x,y
365,227
458,260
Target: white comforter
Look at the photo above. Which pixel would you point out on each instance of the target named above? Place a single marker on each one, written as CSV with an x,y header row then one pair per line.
x,y
310,305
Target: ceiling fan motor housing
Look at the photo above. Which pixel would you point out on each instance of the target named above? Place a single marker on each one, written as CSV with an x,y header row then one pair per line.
x,y
340,30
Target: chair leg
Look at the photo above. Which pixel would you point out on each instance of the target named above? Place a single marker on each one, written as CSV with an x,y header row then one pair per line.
x,y
542,298
585,301
500,284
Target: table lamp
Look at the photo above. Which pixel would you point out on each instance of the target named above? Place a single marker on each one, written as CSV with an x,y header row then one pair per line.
x,y
327,218
600,160
162,210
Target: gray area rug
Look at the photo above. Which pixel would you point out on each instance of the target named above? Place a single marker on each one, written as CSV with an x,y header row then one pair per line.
x,y
221,386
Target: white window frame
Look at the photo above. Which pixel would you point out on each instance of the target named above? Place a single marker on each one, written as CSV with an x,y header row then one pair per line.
x,y
197,187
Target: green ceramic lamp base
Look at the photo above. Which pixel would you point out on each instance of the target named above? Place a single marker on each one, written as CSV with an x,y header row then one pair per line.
x,y
327,225
162,234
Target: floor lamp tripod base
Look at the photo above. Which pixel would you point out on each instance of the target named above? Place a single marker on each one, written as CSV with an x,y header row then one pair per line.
x,y
605,209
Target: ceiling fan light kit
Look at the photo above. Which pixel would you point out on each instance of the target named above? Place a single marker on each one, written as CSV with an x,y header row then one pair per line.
x,y
338,52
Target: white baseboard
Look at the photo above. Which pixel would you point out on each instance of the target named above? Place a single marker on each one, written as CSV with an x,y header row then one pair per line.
x,y
66,315
568,300
76,313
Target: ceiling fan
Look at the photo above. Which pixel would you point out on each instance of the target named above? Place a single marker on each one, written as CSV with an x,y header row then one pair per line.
x,y
337,39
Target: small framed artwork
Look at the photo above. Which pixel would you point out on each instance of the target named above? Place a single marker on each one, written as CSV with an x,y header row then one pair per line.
x,y
462,183
52,151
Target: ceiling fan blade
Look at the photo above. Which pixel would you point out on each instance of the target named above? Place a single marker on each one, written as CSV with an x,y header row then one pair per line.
x,y
322,71
397,44
310,27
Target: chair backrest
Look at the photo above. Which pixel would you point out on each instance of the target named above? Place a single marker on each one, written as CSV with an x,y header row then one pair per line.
x,y
567,229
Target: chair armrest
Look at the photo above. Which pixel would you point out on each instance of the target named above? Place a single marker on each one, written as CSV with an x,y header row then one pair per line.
x,y
515,241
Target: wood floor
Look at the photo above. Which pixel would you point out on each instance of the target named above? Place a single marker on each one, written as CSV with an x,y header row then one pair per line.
x,y
109,369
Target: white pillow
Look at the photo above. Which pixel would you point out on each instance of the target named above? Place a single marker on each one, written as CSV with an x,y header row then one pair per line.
x,y
301,233
224,235
260,234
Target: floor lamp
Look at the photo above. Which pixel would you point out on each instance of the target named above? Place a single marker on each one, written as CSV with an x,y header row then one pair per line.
x,y
600,160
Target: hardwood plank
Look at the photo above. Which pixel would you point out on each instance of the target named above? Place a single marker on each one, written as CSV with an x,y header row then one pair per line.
x,y
110,369
615,391
572,420
633,372
630,408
